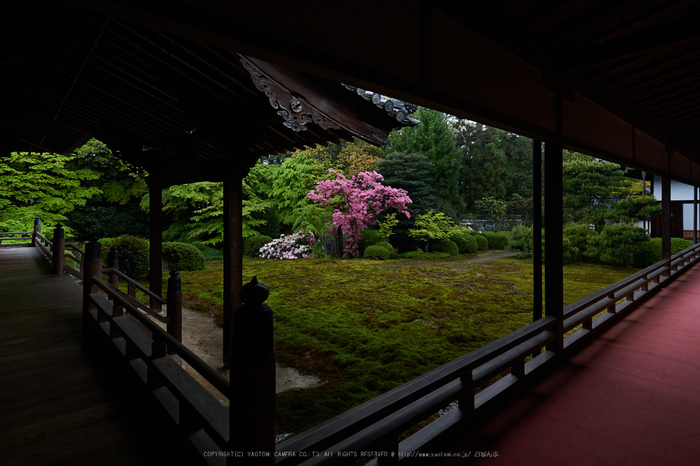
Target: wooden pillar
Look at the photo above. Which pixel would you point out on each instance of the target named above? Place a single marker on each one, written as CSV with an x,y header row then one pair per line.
x,y
37,229
113,263
252,397
174,325
554,231
156,240
233,258
666,218
695,214
59,242
93,269
537,229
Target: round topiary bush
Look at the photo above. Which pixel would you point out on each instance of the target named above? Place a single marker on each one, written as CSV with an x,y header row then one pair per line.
x,y
183,256
377,252
499,240
369,238
210,253
252,245
133,255
448,246
482,242
650,252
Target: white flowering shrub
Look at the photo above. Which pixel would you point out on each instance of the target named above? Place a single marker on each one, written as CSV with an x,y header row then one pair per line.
x,y
290,247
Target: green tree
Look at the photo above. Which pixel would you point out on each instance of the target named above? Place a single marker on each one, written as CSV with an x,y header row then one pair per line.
x,y
409,171
434,138
116,209
486,171
41,185
596,191
432,226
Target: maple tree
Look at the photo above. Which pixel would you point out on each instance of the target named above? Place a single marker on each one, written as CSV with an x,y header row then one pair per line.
x,y
357,201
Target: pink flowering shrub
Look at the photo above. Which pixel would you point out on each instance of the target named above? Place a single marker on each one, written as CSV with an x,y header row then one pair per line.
x,y
290,247
357,202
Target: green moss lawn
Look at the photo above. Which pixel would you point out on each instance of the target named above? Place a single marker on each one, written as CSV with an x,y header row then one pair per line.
x,y
365,327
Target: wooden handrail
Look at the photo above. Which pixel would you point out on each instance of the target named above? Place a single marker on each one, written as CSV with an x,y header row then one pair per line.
x,y
131,282
210,374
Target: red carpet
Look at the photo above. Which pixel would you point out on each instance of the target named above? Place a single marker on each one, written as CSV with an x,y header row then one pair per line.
x,y
630,398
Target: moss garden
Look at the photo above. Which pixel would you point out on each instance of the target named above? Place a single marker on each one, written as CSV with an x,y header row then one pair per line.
x,y
367,326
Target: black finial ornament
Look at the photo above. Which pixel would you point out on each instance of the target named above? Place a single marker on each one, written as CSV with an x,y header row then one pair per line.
x,y
253,293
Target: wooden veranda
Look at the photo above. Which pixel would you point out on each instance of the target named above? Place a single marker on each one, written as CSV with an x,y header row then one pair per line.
x,y
62,401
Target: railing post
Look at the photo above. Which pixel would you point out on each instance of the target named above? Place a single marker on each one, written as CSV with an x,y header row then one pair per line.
x,y
37,229
59,242
174,306
252,397
113,263
93,269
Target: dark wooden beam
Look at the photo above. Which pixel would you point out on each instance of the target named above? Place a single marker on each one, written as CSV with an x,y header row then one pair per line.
x,y
233,258
155,203
537,229
554,231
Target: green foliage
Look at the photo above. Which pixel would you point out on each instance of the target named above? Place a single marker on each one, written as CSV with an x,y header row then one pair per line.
x,y
409,171
41,185
377,252
650,252
419,254
433,138
431,226
133,255
497,240
182,256
115,210
285,187
465,241
448,246
620,243
521,241
197,210
491,208
252,245
482,242
209,253
583,238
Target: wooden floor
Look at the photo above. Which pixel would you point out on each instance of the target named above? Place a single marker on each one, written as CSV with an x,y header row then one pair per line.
x,y
60,403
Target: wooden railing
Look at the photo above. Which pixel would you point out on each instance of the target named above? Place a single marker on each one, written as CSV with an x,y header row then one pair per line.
x,y
378,424
15,238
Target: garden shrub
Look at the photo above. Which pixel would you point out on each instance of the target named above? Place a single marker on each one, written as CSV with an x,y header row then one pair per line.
x,y
482,242
252,245
463,239
290,247
210,253
583,238
133,255
521,241
650,252
448,246
620,243
183,256
377,252
499,240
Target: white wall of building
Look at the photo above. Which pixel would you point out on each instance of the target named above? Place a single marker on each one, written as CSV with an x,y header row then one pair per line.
x,y
679,192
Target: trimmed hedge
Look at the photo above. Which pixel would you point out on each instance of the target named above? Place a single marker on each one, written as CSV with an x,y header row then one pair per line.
x,y
650,252
377,252
252,245
133,255
482,242
465,241
448,246
210,254
183,256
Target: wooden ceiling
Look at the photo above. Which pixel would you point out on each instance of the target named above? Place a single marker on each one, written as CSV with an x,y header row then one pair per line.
x,y
614,78
183,109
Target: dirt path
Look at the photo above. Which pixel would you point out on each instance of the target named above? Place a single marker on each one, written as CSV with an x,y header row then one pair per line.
x,y
205,339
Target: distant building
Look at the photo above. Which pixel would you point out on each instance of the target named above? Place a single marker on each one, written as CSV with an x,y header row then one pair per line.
x,y
682,200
